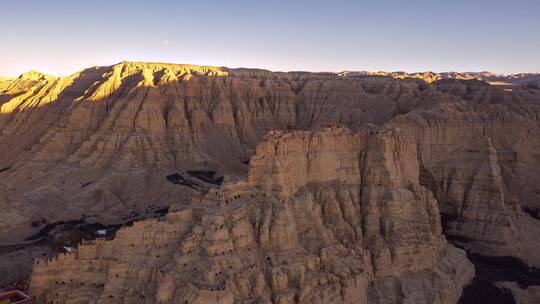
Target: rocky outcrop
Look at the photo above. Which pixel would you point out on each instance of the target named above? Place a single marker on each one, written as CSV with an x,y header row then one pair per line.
x,y
4,82
115,144
361,230
67,143
98,146
479,161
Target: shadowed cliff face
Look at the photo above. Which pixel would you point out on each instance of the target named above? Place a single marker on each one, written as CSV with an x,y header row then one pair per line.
x,y
101,145
482,163
361,230
121,129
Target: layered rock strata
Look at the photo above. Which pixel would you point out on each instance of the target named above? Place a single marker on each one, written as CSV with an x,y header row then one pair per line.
x,y
329,216
480,161
105,137
114,144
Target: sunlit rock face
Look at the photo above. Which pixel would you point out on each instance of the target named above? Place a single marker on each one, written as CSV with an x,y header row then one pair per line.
x,y
362,230
68,145
117,144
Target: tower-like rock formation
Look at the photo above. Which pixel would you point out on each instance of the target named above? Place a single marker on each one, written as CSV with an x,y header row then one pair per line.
x,y
480,162
329,216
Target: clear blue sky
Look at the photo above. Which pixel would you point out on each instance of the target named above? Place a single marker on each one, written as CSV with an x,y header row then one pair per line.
x,y
61,37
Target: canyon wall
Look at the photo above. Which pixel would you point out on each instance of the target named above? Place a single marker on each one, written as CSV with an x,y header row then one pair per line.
x,y
68,144
117,144
362,230
481,161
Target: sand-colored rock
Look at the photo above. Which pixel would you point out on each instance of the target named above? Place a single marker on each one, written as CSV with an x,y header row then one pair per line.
x,y
97,146
479,162
67,143
328,239
5,81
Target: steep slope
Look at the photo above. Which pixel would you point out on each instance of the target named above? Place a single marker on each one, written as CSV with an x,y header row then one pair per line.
x,y
4,82
112,145
481,163
98,137
480,92
360,231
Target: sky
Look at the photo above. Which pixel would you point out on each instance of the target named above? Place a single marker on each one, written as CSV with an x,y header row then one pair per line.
x,y
62,37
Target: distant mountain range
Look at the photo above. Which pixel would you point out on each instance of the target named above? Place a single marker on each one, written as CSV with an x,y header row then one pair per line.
x,y
496,79
429,77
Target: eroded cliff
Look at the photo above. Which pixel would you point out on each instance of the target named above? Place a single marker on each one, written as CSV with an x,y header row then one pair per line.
x,y
98,146
68,143
359,230
113,145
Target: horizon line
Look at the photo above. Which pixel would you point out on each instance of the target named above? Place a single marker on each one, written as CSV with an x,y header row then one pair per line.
x,y
67,74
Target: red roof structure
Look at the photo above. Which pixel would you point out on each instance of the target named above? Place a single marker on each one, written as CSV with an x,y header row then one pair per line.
x,y
14,297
